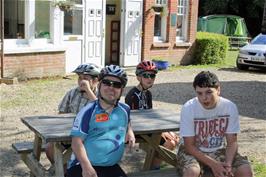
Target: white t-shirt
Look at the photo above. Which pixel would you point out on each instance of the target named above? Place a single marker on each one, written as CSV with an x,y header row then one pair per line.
x,y
209,126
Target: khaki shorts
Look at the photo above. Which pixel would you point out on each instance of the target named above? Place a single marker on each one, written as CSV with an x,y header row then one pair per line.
x,y
185,161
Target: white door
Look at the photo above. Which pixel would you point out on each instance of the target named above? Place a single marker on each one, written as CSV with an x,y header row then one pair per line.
x,y
95,32
131,28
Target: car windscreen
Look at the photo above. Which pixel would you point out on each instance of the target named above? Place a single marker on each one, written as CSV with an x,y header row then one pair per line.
x,y
261,39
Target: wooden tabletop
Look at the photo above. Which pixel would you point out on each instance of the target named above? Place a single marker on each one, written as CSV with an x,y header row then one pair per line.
x,y
56,128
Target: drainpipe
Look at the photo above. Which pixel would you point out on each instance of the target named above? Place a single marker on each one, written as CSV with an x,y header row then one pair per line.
x,y
2,38
263,25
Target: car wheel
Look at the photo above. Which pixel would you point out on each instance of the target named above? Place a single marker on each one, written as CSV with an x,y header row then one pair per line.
x,y
241,67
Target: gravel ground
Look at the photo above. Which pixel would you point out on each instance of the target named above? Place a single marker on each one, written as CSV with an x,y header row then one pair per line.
x,y
171,90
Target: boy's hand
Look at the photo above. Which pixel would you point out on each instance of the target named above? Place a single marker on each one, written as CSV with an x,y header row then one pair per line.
x,y
130,140
85,85
170,136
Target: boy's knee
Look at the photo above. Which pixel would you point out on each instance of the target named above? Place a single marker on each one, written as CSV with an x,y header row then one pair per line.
x,y
244,170
193,171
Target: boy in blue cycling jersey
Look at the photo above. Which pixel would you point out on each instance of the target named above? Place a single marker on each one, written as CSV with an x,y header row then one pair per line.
x,y
101,129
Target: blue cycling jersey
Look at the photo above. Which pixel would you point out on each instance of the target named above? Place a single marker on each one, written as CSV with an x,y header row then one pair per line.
x,y
103,134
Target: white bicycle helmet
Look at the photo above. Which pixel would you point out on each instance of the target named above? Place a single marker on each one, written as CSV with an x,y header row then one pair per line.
x,y
116,71
88,68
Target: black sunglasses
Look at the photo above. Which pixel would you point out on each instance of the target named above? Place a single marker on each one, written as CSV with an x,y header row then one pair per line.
x,y
148,75
110,83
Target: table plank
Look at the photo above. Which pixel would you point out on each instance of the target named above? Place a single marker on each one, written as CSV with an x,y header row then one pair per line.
x,y
154,121
56,128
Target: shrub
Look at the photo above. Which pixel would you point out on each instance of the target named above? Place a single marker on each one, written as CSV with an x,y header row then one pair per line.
x,y
211,48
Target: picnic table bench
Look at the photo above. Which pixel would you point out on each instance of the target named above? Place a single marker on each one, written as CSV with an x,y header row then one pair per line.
x,y
169,172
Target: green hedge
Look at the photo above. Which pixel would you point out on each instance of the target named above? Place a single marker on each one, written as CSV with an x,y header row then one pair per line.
x,y
211,48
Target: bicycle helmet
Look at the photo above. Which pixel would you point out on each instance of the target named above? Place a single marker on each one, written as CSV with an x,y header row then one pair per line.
x,y
116,71
88,68
146,66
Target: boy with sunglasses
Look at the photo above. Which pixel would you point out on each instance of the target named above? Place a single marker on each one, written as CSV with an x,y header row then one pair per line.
x,y
140,98
78,97
101,129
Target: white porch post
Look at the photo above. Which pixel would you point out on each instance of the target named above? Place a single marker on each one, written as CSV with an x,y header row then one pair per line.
x,y
56,25
29,20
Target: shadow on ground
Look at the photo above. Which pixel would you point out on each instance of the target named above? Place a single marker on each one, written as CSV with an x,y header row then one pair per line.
x,y
249,96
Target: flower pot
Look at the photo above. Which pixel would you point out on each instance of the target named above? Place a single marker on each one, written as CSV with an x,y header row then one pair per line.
x,y
161,65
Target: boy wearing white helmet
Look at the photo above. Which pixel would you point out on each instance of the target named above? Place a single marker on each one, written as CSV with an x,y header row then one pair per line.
x,y
101,129
78,97
85,92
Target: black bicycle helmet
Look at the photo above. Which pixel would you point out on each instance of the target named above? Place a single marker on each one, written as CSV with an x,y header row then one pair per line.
x,y
88,68
116,71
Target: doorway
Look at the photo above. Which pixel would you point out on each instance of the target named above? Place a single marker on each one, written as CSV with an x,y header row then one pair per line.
x,y
112,37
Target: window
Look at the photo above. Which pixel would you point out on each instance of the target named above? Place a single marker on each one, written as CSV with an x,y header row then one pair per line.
x,y
161,2
73,19
14,19
42,19
160,20
182,20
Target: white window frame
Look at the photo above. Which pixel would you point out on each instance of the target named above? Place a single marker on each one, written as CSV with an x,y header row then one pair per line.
x,y
163,14
76,36
183,10
30,43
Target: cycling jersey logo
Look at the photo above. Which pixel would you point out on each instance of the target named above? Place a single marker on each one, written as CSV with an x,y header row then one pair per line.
x,y
103,117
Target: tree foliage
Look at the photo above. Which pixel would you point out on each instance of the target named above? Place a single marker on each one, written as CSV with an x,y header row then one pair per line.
x,y
250,10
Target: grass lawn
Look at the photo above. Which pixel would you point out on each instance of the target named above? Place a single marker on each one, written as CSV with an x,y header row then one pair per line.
x,y
230,62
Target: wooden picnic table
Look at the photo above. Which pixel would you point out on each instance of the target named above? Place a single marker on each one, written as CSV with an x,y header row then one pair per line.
x,y
148,124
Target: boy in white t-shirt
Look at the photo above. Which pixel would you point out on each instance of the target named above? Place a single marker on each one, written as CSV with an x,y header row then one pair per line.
x,y
209,125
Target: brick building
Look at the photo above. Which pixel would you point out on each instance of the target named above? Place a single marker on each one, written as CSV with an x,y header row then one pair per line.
x,y
169,30
42,39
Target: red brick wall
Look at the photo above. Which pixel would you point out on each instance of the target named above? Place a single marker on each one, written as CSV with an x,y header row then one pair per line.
x,y
34,65
175,54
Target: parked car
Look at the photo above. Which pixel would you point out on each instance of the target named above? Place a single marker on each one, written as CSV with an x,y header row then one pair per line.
x,y
253,54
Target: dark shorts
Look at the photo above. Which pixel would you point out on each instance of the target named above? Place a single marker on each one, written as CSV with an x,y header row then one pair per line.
x,y
108,171
185,161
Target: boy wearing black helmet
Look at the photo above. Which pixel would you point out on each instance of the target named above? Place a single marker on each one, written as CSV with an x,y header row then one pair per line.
x,y
78,97
140,97
101,129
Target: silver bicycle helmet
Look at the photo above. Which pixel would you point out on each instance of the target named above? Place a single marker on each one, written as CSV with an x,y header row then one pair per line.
x,y
88,68
116,71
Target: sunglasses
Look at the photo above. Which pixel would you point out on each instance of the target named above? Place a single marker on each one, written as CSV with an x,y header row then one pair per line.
x,y
148,75
110,83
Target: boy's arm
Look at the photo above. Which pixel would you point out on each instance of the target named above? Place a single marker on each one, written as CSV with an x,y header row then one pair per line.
x,y
131,101
80,152
217,167
230,151
63,106
130,137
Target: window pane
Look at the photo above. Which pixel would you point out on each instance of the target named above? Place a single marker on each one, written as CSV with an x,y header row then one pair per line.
x,y
42,22
182,20
78,2
157,25
14,19
179,25
73,22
